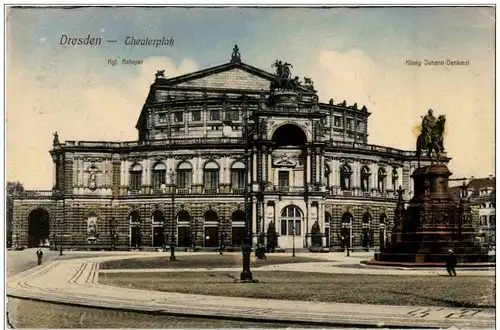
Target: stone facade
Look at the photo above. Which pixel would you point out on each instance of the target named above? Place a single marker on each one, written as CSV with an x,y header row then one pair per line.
x,y
308,163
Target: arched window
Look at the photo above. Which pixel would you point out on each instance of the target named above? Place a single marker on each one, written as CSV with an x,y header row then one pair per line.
x,y
134,217
291,219
345,177
381,179
327,176
395,177
382,218
347,218
136,177
238,175
159,175
211,177
365,179
183,216
211,216
157,217
328,217
367,219
184,175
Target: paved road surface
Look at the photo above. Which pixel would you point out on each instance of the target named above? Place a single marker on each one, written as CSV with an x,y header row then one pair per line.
x,y
75,281
19,261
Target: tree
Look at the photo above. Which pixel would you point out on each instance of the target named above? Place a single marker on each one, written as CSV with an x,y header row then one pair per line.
x,y
12,189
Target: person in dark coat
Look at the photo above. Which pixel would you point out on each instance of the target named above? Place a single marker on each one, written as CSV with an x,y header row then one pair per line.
x,y
39,255
451,263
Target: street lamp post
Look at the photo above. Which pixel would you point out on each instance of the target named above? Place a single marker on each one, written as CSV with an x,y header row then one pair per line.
x,y
246,248
293,241
172,236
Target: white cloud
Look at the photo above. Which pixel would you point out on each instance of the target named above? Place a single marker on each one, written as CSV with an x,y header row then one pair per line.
x,y
98,111
398,95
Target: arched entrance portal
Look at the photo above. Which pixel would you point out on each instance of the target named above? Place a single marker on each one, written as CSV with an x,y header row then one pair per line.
x,y
38,228
289,135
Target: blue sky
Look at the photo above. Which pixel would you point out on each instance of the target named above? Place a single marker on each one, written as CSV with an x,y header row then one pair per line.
x,y
350,53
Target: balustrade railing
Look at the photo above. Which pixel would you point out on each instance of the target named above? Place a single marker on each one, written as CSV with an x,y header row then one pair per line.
x,y
162,142
183,191
36,193
210,191
225,140
238,191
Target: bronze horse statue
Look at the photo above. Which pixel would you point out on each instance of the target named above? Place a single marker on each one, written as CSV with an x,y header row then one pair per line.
x,y
436,141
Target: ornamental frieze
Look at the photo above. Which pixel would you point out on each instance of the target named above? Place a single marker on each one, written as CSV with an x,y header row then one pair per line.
x,y
183,157
211,157
135,159
367,161
158,158
346,160
93,159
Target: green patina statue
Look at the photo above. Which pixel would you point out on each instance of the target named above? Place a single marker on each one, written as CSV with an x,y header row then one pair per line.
x,y
431,137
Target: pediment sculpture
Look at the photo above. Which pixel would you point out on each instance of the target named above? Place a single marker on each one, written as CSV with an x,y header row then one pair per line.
x,y
284,161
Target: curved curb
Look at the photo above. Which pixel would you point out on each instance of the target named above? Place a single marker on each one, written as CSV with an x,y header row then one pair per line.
x,y
75,282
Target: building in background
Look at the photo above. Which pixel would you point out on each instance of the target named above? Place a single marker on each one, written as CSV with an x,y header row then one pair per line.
x,y
482,194
313,175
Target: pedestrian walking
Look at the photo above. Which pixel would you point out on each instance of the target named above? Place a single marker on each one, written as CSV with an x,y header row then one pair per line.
x,y
39,255
451,263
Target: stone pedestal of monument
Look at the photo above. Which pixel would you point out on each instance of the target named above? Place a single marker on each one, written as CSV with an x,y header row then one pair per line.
x,y
433,223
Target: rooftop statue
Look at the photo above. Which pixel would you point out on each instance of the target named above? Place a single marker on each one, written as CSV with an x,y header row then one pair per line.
x,y
55,141
308,83
431,136
236,56
283,80
160,74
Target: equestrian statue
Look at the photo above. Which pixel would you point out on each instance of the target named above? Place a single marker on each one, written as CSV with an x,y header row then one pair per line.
x,y
431,137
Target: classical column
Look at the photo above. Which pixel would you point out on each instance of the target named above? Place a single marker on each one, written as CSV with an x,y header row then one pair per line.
x,y
254,220
127,173
254,164
331,123
308,169
269,165
308,216
54,172
204,114
355,127
264,163
344,124
115,174
198,171
147,175
123,165
226,165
